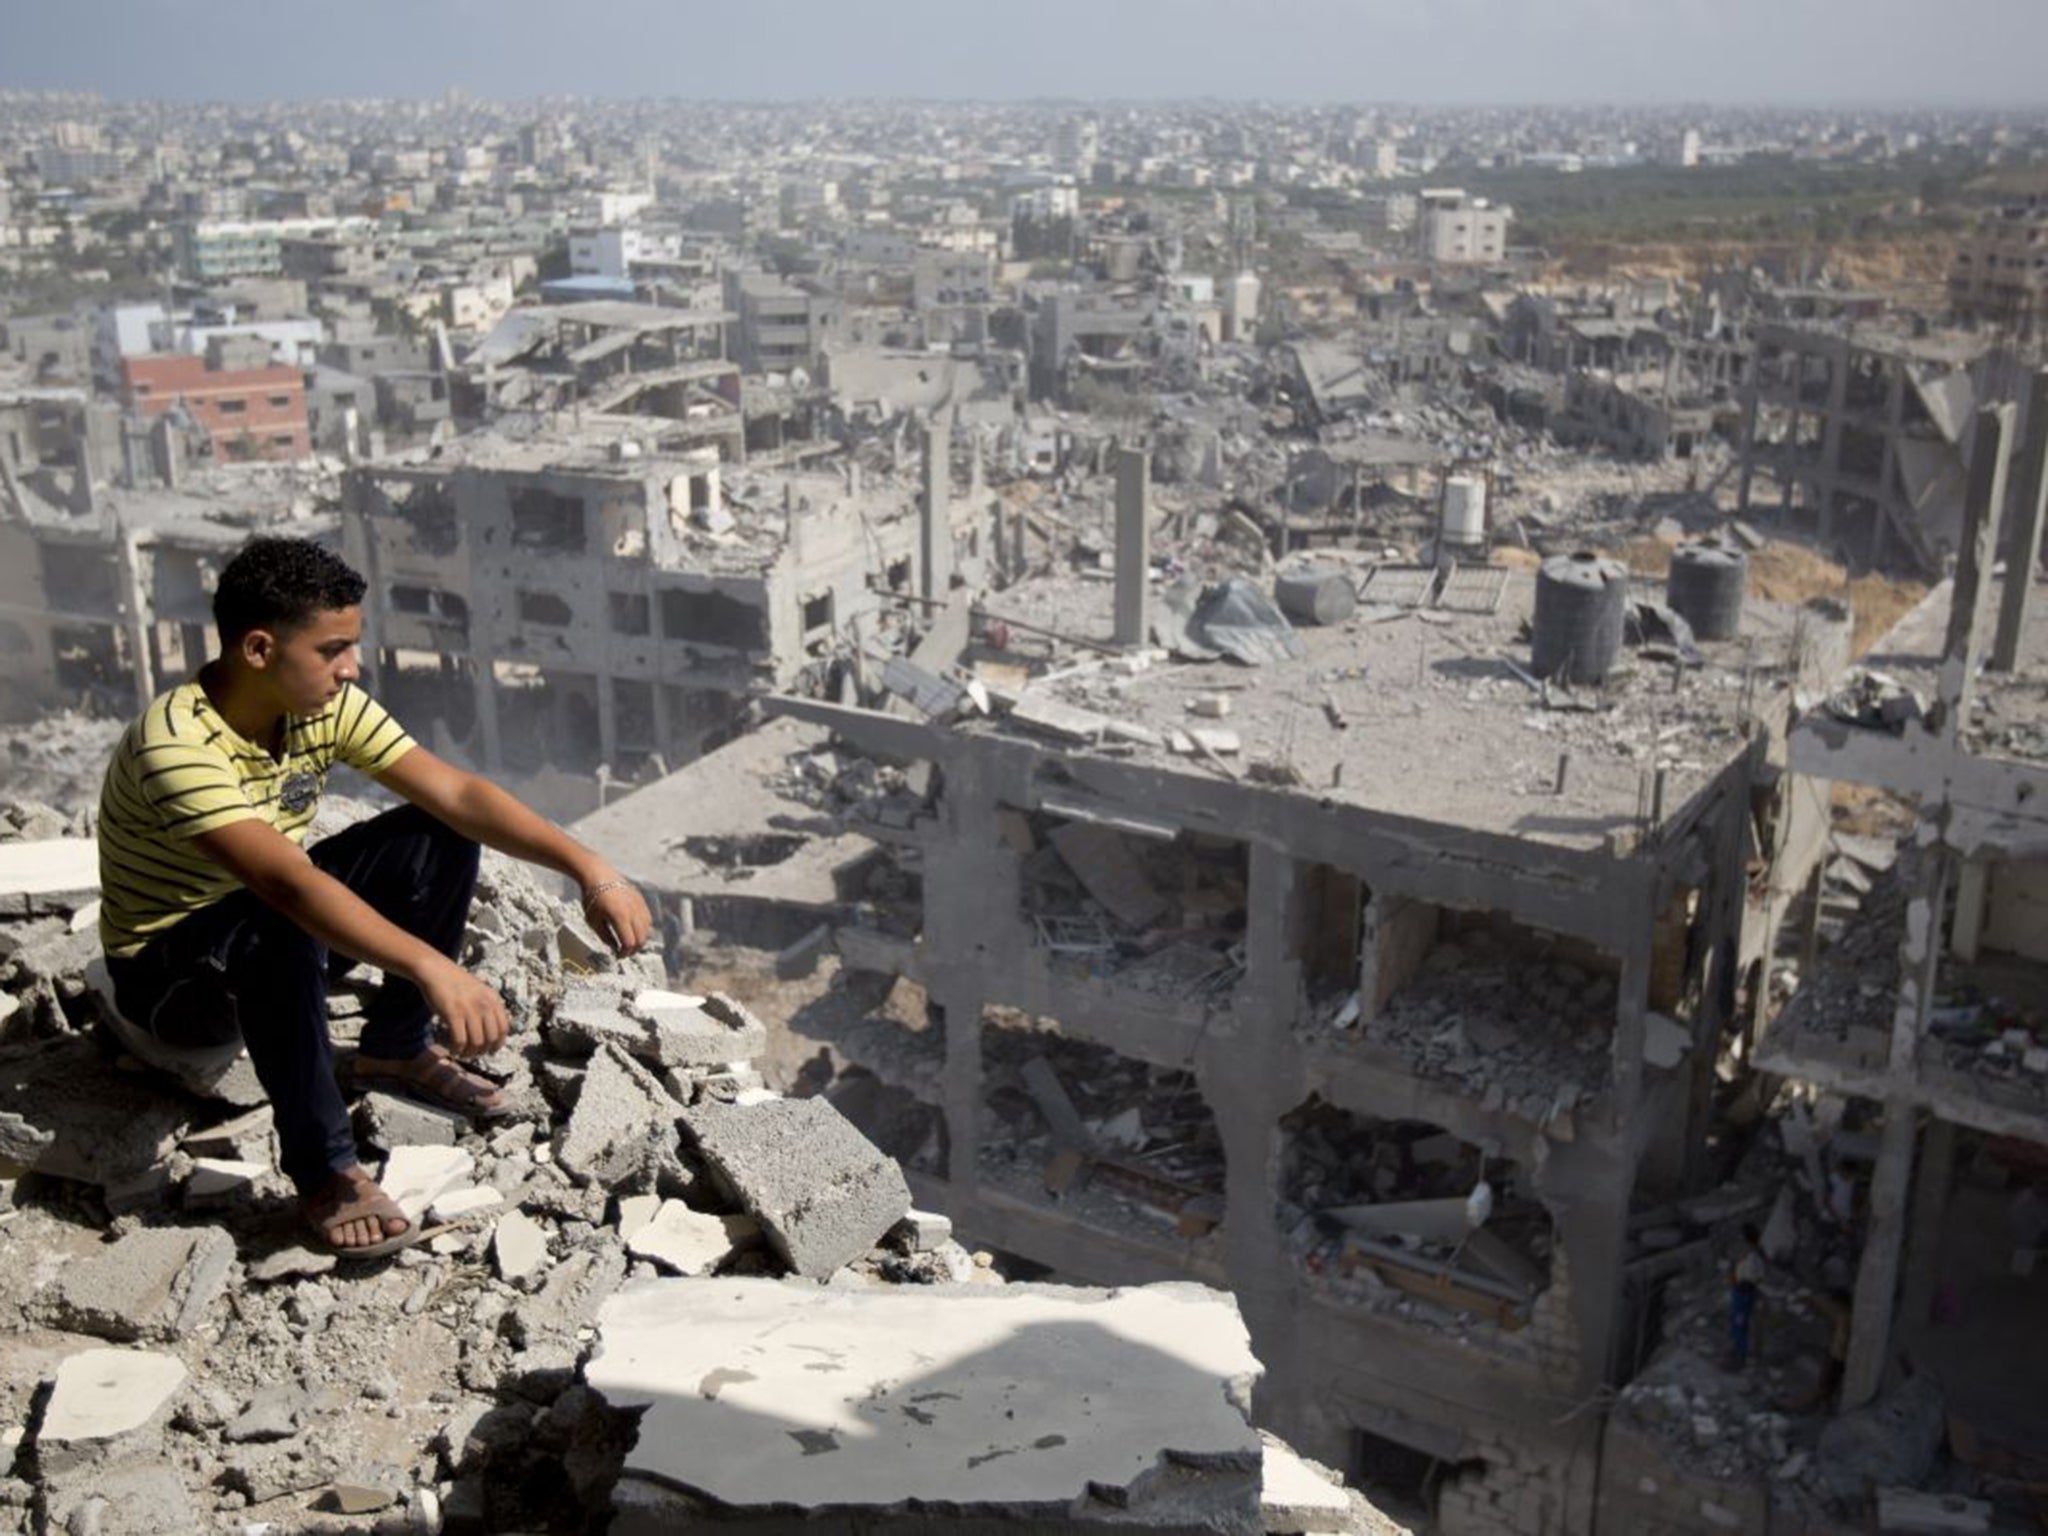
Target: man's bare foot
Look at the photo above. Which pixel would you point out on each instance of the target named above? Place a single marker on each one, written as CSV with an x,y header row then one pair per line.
x,y
351,1214
434,1077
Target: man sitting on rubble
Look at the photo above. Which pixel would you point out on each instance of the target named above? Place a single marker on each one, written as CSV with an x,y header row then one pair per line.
x,y
218,924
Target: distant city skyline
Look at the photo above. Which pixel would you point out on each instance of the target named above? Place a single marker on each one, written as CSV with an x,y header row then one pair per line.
x,y
1959,53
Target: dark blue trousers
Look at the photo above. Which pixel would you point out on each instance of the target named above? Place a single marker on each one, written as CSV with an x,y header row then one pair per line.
x,y
241,970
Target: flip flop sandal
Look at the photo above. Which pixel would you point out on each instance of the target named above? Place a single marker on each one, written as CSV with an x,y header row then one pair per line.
x,y
367,1202
423,1090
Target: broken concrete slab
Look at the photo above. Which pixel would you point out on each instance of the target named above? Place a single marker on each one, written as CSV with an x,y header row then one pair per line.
x,y
635,1211
822,1191
1889,1442
921,1231
385,1120
154,1283
416,1177
1294,1499
519,1246
1023,1399
272,1414
622,1126
130,1499
689,1242
102,1397
462,1203
221,1178
707,1034
295,1263
103,1126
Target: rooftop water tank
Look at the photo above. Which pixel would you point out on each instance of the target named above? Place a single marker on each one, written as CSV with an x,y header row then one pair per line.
x,y
1463,523
1707,585
1581,608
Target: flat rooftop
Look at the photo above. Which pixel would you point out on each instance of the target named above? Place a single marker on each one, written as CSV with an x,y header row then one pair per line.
x,y
1436,723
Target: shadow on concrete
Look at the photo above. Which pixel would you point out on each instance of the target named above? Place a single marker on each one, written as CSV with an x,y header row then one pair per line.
x,y
818,1422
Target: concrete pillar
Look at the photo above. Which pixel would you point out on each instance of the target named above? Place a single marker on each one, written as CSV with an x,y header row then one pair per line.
x,y
135,619
1133,544
1877,1276
1969,597
607,721
1930,1206
935,528
1973,886
975,486
2023,554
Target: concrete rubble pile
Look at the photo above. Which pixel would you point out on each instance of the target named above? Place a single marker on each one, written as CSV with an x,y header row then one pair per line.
x,y
1365,1206
1773,1425
1121,1144
1451,1022
183,1357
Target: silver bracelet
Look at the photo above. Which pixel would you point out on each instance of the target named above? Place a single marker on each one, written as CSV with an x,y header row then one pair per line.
x,y
600,888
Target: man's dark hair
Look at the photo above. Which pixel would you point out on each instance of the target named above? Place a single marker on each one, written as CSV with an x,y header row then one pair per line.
x,y
1750,1234
279,584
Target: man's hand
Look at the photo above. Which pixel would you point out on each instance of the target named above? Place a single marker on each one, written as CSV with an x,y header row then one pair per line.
x,y
617,914
473,1014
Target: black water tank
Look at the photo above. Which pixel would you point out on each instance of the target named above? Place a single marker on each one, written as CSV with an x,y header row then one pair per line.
x,y
1581,606
1706,589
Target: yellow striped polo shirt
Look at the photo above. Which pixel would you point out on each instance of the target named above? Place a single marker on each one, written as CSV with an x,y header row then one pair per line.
x,y
180,770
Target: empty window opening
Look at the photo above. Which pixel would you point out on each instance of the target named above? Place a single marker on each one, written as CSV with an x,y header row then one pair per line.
x,y
543,520
425,509
425,688
899,575
712,618
1121,1144
78,578
547,719
817,613
544,608
433,605
1378,1210
630,613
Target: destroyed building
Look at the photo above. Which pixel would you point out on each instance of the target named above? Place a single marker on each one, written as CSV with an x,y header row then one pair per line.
x,y
568,603
1932,1007
1378,982
1859,440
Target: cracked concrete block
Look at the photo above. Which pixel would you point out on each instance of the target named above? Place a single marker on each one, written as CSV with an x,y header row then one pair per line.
x,y
272,1414
822,1191
155,1283
385,1120
1030,1403
689,1242
584,1028
106,1401
623,1125
418,1176
921,1231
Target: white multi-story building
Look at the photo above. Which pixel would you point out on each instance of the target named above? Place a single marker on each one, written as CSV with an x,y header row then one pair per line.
x,y
1458,230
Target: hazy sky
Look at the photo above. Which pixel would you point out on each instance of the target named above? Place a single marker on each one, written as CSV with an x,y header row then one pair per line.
x,y
1956,52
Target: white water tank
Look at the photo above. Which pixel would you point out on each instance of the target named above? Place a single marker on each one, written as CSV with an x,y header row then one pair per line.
x,y
1464,512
